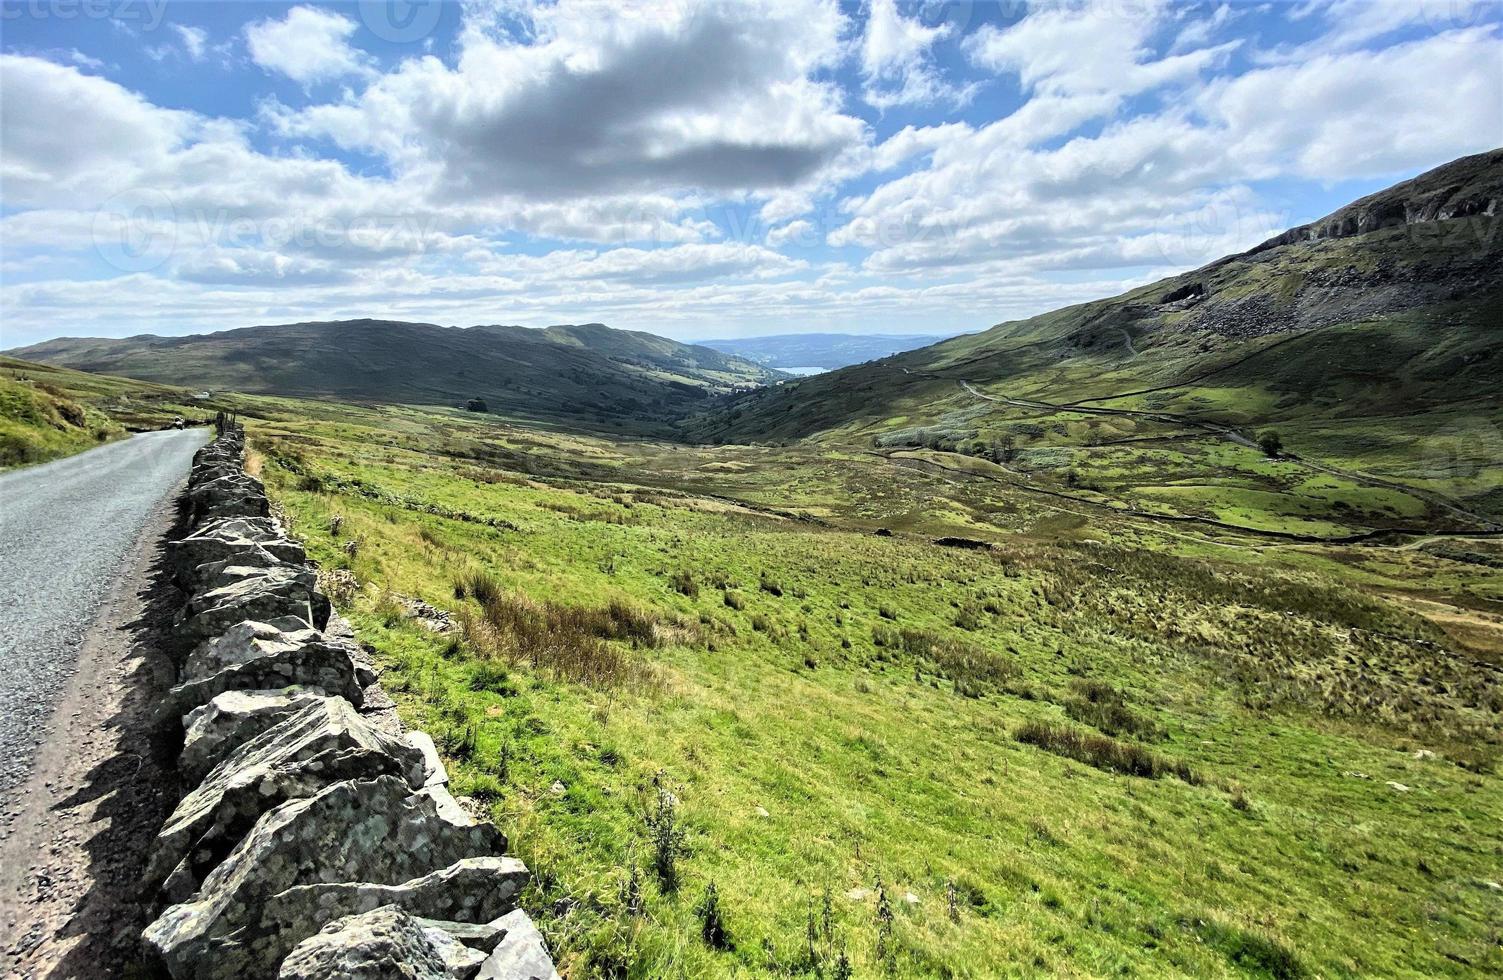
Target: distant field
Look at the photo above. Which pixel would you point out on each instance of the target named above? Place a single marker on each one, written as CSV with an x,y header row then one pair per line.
x,y
839,715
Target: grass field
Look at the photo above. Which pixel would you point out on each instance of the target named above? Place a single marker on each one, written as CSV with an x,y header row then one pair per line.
x,y
1097,748
1108,744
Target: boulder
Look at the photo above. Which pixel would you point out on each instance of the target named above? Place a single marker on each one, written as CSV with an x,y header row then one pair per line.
x,y
521,954
385,944
312,860
249,640
272,664
436,774
216,729
272,593
460,898
324,743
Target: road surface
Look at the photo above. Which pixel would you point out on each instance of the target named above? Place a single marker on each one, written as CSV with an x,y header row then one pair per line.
x,y
66,530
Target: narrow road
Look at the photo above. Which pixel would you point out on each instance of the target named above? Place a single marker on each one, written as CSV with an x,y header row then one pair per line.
x,y
66,531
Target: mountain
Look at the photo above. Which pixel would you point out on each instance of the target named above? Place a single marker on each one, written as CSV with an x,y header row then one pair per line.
x,y
818,350
588,373
1389,308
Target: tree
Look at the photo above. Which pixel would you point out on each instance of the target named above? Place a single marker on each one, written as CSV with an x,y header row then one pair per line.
x,y
1270,443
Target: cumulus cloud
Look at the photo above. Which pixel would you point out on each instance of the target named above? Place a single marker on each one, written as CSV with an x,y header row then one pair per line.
x,y
698,163
308,45
110,133
597,98
1141,191
895,60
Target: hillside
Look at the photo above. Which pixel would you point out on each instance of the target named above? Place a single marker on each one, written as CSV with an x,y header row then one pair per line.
x,y
1367,338
47,412
611,379
818,350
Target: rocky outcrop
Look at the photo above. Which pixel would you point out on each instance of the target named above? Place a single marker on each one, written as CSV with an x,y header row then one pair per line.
x,y
320,840
1467,187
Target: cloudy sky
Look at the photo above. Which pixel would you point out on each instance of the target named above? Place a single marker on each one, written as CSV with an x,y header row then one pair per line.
x,y
694,169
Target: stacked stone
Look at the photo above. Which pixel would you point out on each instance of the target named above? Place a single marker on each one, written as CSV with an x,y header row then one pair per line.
x,y
318,843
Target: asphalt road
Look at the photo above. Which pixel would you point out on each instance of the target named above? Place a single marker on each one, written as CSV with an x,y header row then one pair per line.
x,y
66,528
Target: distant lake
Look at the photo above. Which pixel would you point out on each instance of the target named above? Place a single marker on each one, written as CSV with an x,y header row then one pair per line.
x,y
803,372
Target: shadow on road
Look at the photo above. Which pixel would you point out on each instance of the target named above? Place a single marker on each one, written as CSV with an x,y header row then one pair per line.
x,y
126,793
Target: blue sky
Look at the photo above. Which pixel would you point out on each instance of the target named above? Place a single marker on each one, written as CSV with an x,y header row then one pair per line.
x,y
693,169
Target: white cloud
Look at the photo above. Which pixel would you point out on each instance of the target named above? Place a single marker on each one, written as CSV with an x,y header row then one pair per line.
x,y
309,45
895,59
1087,50
195,40
800,233
110,133
601,98
1363,113
1141,192
624,130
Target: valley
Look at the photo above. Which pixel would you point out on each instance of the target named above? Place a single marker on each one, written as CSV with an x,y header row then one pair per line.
x,y
1160,635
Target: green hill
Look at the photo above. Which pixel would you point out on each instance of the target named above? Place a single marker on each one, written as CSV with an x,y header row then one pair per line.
x,y
1369,338
590,374
47,412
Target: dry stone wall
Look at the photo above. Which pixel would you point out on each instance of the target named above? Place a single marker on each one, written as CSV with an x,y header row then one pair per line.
x,y
321,840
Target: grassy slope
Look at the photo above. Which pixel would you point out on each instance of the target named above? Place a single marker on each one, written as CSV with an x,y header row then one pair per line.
x,y
631,383
1285,678
1404,397
48,412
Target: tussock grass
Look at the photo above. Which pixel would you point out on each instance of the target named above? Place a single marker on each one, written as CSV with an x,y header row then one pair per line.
x,y
1103,706
569,642
1104,753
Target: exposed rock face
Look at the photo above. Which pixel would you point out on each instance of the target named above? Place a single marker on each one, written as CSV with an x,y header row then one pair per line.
x,y
1459,189
309,813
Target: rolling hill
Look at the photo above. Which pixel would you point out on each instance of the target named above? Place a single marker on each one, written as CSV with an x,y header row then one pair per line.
x,y
585,374
1369,338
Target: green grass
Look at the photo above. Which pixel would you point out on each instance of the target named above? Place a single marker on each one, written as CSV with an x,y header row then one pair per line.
x,y
48,412
827,709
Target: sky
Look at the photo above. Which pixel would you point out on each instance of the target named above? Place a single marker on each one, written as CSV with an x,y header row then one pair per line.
x,y
695,169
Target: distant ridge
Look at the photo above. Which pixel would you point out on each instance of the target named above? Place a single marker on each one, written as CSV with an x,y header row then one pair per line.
x,y
586,373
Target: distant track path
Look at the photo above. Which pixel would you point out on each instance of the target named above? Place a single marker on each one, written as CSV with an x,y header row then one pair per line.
x,y
66,527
